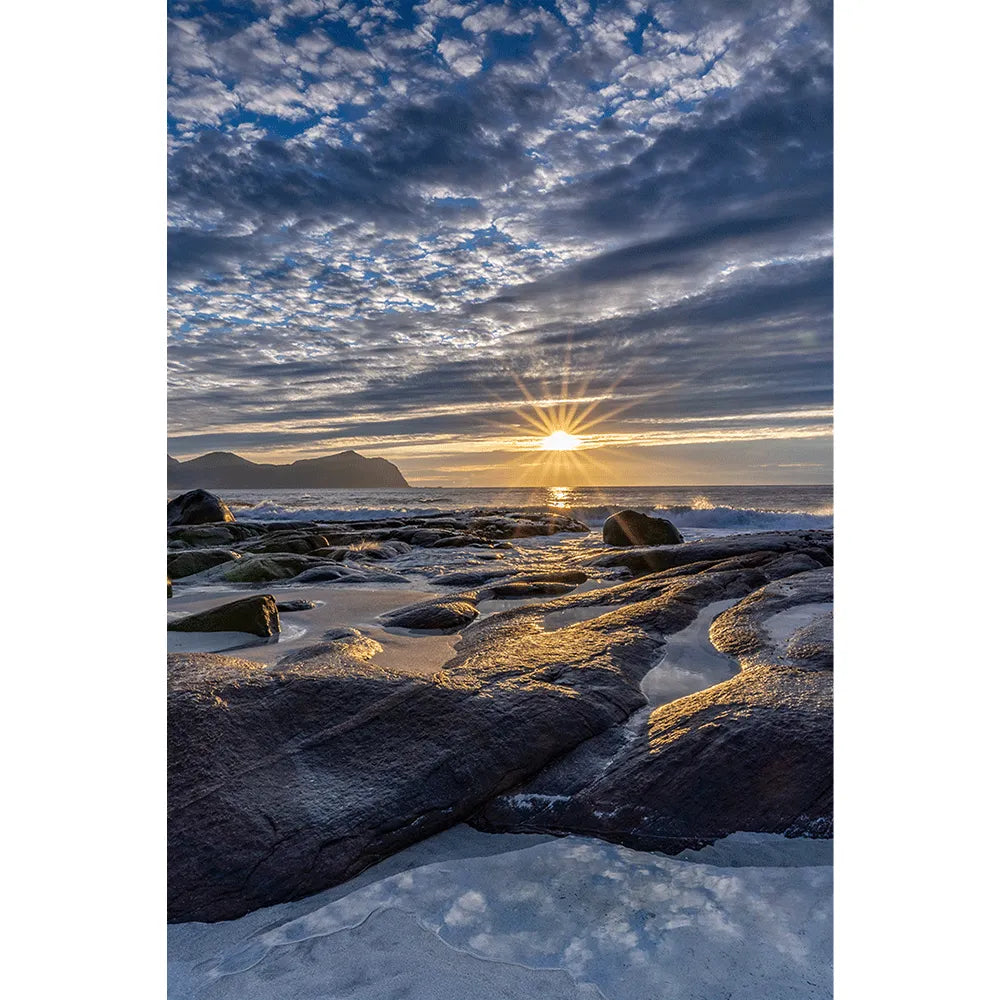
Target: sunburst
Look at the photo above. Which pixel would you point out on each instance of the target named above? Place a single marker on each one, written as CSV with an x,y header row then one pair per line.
x,y
560,441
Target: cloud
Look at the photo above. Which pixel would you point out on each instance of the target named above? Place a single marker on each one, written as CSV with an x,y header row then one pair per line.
x,y
375,213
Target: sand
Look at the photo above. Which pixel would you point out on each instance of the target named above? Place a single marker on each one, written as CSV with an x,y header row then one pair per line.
x,y
338,605
471,915
412,652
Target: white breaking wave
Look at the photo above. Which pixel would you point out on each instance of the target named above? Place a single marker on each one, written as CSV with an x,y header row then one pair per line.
x,y
735,519
719,518
270,511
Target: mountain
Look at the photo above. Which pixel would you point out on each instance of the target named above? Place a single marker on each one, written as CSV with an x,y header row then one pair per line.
x,y
224,470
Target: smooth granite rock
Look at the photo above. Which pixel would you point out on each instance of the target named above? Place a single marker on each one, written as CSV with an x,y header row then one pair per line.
x,y
630,527
754,753
197,507
190,561
257,615
444,615
817,545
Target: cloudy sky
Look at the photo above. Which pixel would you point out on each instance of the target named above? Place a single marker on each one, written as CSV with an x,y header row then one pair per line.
x,y
429,231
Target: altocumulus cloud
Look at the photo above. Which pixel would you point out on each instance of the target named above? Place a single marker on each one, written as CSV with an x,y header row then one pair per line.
x,y
383,216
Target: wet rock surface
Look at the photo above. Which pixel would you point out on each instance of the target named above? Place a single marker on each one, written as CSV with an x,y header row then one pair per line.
x,y
197,507
256,615
816,546
285,780
187,563
250,552
754,753
296,605
630,527
444,615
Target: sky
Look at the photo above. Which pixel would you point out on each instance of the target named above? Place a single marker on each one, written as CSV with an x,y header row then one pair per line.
x,y
437,232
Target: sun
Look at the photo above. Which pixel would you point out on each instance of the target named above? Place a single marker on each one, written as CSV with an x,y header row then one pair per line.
x,y
560,441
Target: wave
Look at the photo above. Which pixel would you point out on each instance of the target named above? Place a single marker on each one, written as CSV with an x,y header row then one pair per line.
x,y
705,517
270,511
734,519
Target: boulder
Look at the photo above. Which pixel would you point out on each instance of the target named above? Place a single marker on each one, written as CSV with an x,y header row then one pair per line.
x,y
190,561
197,507
260,569
629,527
257,615
295,542
296,605
445,616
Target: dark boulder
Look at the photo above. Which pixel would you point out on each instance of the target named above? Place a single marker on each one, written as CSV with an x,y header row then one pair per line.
x,y
629,527
262,568
296,605
197,507
299,543
445,616
257,615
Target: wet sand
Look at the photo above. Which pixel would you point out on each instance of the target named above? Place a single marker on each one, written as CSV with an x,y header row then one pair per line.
x,y
341,605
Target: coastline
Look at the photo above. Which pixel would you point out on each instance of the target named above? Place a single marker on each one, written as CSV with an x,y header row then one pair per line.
x,y
663,664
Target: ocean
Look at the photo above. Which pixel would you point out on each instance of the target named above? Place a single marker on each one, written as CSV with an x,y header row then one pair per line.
x,y
698,511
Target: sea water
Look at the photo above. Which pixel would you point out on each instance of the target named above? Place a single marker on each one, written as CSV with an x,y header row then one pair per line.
x,y
698,511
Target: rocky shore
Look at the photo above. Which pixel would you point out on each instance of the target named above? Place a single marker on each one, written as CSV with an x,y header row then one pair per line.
x,y
289,777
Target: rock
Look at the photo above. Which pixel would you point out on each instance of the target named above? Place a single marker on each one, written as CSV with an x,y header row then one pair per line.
x,y
296,605
653,560
190,561
524,588
257,615
477,578
629,527
202,535
197,507
456,541
261,569
320,767
447,616
468,578
754,753
294,542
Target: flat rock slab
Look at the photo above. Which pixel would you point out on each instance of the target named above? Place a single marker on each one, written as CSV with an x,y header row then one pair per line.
x,y
754,752
814,545
290,779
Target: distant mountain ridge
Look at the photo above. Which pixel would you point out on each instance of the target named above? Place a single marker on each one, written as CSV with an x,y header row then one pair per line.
x,y
224,470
